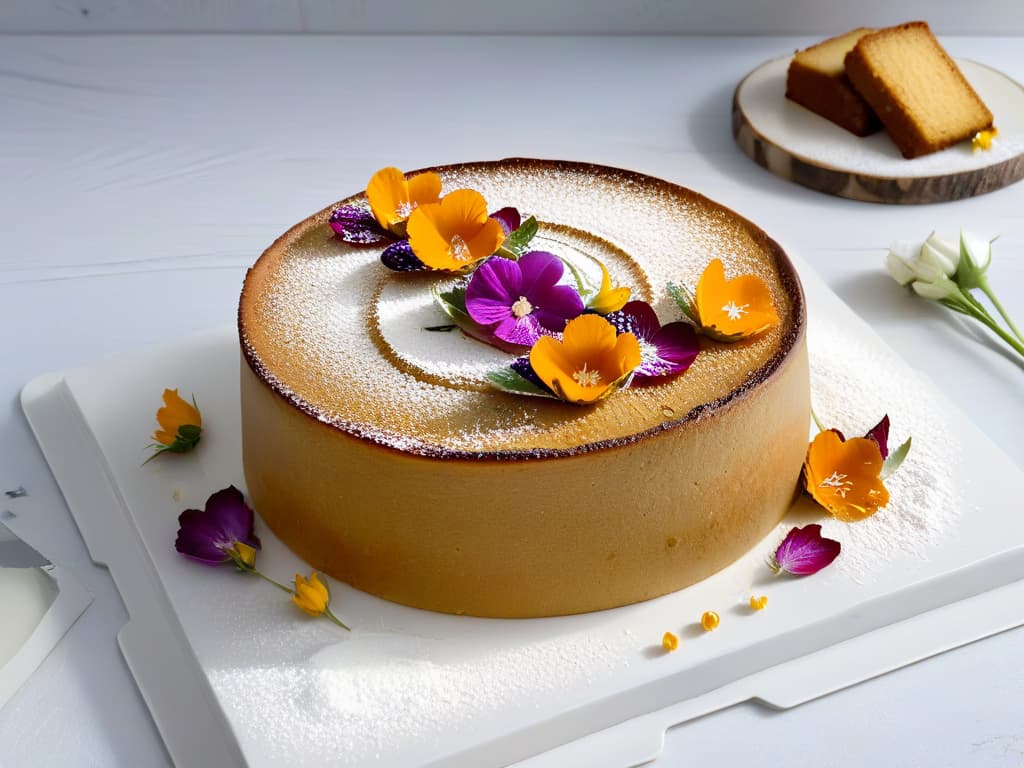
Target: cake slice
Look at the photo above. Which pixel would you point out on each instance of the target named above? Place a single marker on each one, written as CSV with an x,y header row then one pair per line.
x,y
818,81
918,92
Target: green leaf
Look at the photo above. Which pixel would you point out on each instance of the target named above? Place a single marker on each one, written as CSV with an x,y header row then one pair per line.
x,y
508,380
452,302
586,289
685,301
895,459
518,240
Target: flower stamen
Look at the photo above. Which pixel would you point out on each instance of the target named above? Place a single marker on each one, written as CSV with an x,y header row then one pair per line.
x,y
735,311
838,482
521,307
587,377
458,249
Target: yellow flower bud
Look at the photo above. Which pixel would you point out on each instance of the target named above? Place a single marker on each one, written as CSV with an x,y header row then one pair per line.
x,y
669,642
758,603
310,594
246,554
709,620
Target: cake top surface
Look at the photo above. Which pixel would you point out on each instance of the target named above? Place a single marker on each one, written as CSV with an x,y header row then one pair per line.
x,y
345,340
920,75
827,56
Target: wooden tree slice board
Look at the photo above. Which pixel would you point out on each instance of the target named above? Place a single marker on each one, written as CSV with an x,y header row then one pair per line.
x,y
798,145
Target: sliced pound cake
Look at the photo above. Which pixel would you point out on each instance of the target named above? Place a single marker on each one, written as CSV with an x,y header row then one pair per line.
x,y
816,80
916,89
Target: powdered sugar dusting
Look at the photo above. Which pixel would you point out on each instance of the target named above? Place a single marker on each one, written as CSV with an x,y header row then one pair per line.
x,y
313,328
377,695
852,386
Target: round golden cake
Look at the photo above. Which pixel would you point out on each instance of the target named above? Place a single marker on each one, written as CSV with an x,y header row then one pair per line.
x,y
374,448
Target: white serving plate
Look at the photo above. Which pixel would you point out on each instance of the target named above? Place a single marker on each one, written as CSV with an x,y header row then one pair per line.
x,y
234,675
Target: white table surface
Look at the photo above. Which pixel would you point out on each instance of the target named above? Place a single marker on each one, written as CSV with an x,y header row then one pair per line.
x,y
141,175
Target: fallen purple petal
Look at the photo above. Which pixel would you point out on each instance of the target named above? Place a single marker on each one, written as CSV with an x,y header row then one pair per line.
x,y
357,225
804,551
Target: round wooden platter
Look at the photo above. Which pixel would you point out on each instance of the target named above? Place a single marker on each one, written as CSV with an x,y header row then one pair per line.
x,y
798,145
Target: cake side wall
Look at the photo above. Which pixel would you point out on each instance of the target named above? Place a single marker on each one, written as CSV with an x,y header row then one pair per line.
x,y
606,528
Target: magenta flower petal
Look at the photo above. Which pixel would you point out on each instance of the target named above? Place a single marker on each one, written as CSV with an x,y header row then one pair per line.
x,y
664,351
520,300
357,225
206,535
509,219
805,551
880,434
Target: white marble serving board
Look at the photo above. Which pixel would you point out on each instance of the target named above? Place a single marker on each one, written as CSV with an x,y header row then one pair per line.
x,y
234,675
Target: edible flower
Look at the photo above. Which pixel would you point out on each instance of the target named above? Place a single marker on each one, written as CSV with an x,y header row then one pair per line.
x,y
982,140
709,621
803,552
589,363
664,350
217,534
357,225
455,233
393,198
669,642
181,425
844,476
222,532
312,597
609,298
758,603
940,271
520,300
727,310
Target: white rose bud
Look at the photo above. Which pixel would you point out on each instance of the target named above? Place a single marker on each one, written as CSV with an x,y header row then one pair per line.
x,y
901,261
940,253
937,291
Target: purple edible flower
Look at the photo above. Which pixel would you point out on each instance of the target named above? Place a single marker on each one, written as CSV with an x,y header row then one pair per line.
x,y
357,225
399,257
664,350
880,434
208,536
518,300
804,551
509,219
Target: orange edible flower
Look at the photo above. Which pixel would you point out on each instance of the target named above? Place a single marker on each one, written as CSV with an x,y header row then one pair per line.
x,y
609,298
175,414
589,363
758,603
844,475
730,310
709,621
393,198
454,233
669,642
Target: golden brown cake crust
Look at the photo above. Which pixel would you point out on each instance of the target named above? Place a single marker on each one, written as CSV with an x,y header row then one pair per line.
x,y
814,83
917,90
632,510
